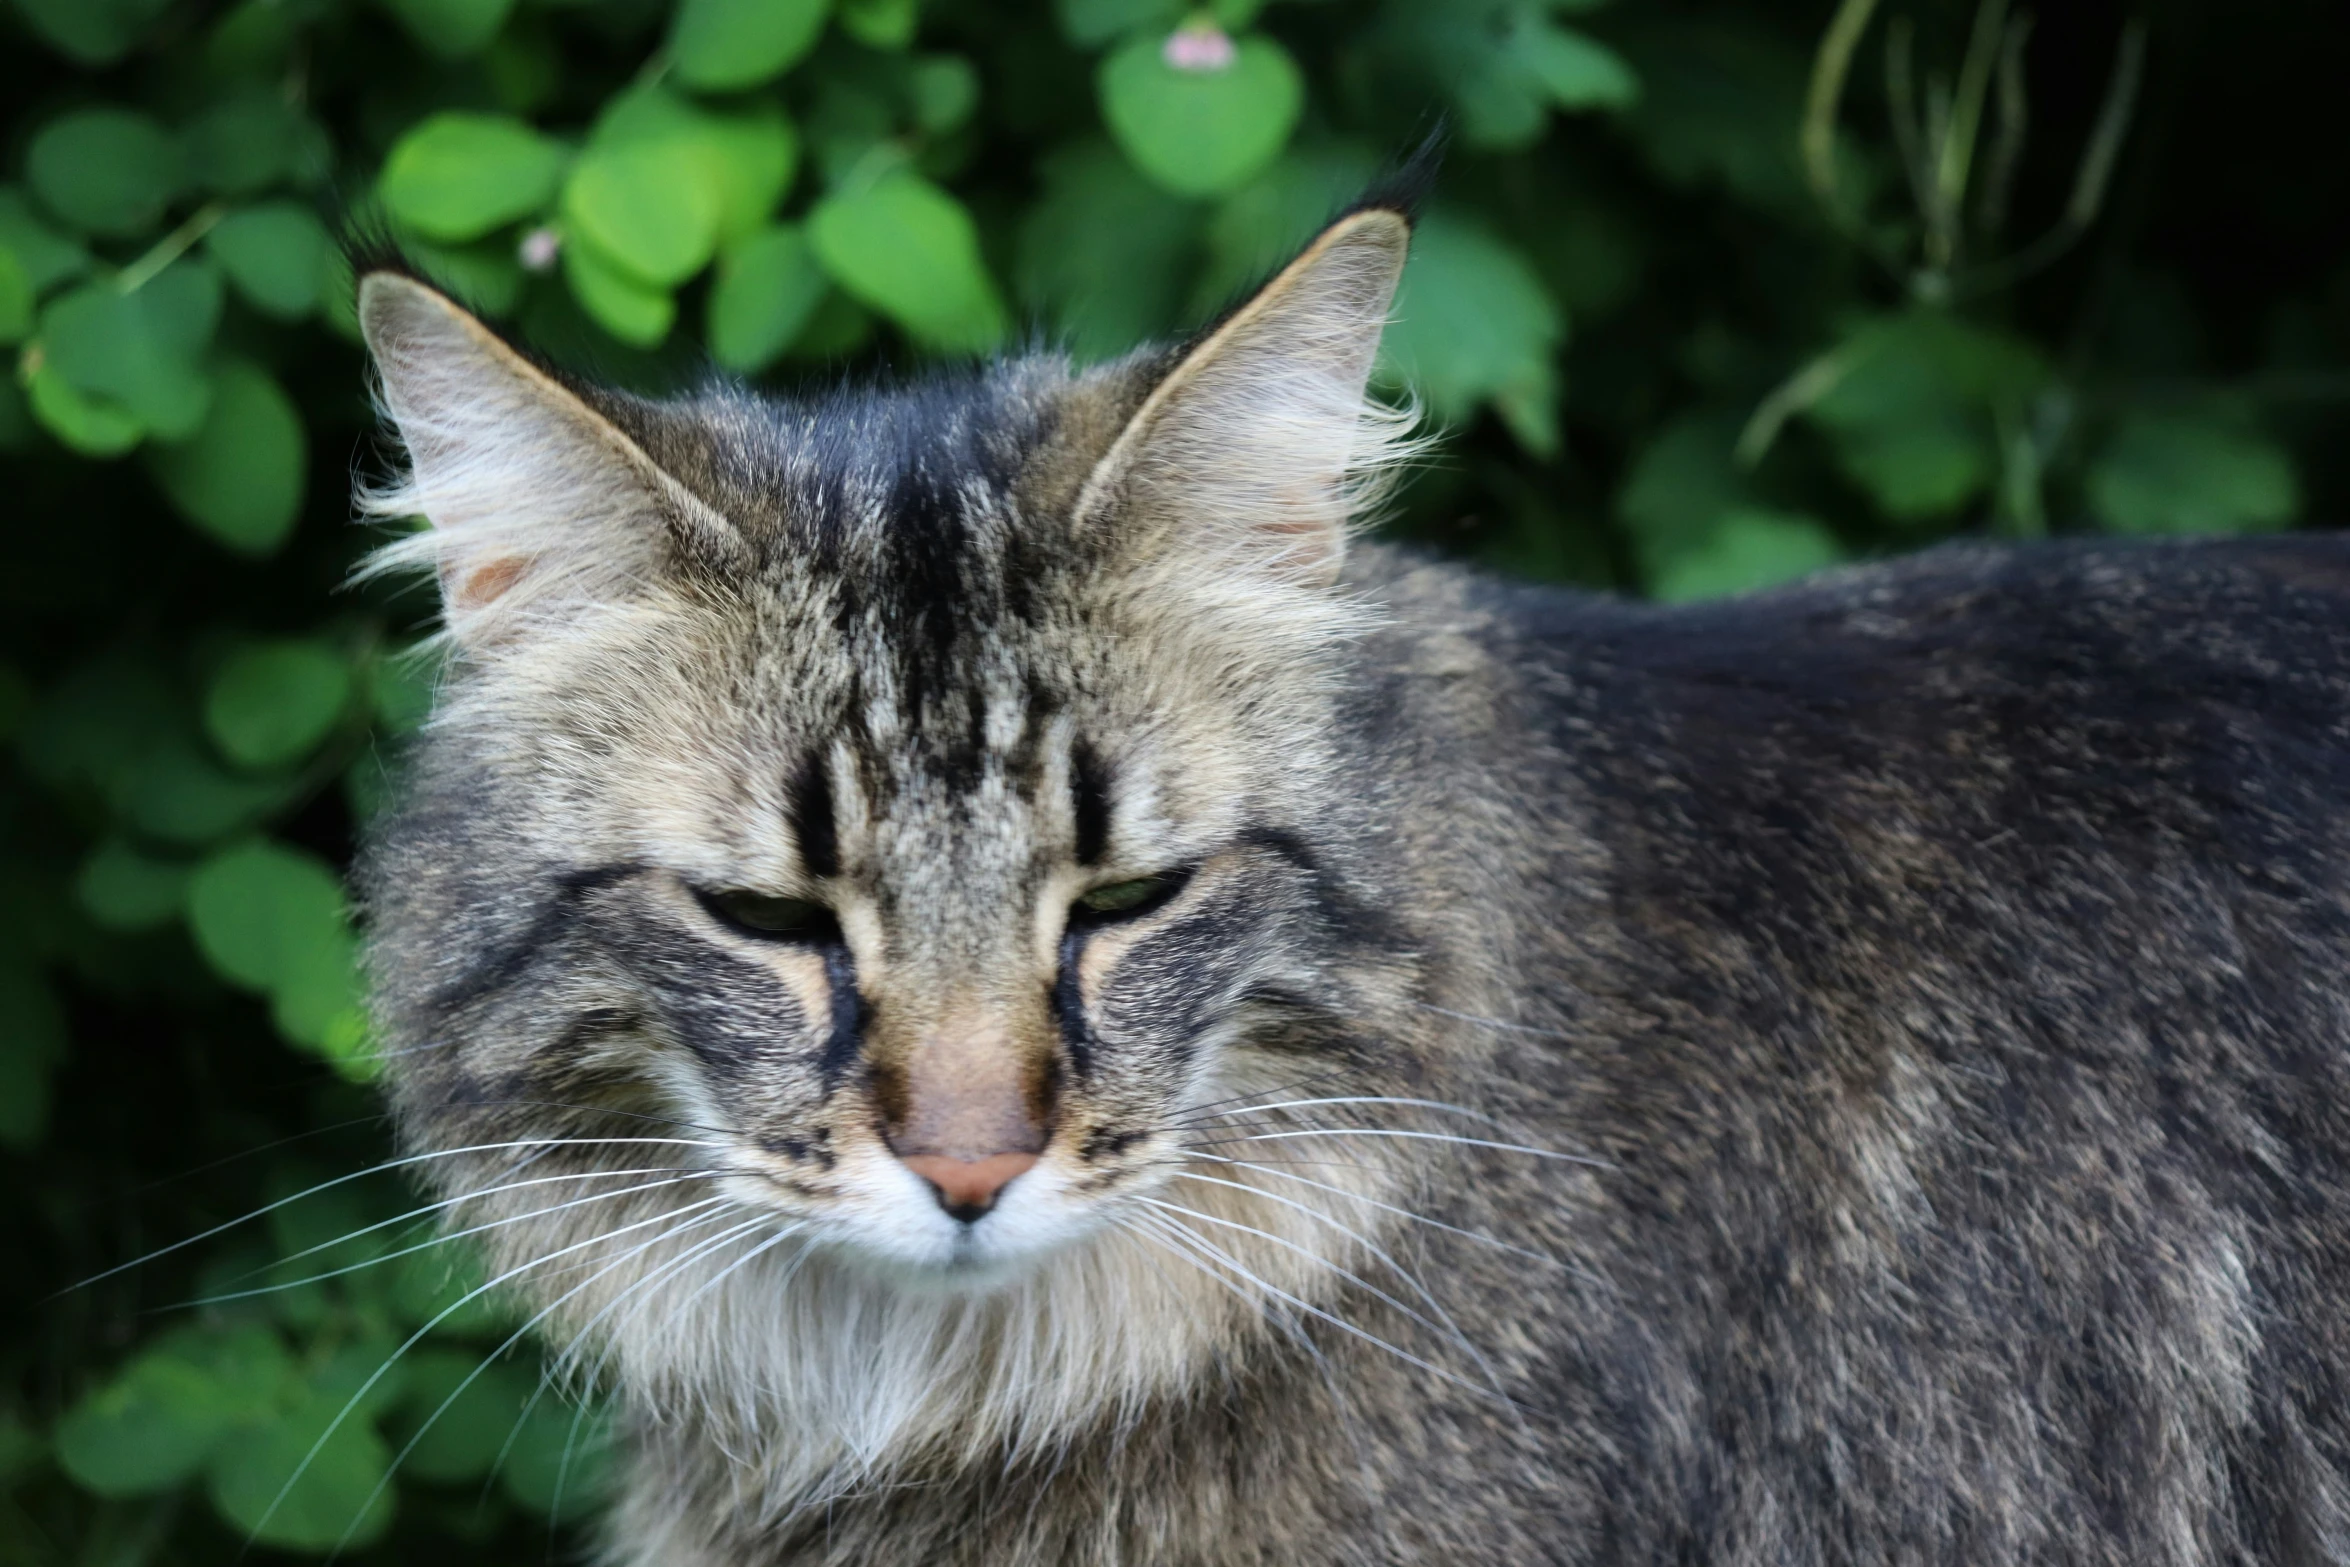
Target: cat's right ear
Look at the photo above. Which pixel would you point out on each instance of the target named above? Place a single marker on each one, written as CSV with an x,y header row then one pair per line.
x,y
539,505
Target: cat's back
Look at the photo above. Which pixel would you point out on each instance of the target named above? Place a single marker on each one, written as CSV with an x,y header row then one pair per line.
x,y
2169,705
1952,958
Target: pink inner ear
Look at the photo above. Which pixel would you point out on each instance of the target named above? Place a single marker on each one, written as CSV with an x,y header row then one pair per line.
x,y
484,583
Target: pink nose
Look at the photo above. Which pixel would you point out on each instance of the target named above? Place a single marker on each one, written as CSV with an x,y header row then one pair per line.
x,y
967,1188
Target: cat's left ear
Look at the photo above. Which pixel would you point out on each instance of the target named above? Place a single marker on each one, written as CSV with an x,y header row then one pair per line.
x,y
540,506
1260,444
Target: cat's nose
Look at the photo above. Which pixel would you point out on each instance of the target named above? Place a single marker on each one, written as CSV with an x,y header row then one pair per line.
x,y
968,1188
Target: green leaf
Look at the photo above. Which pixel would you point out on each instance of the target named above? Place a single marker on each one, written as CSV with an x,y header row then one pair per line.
x,y
264,914
1103,252
275,256
251,141
1201,130
768,285
296,1484
837,328
1091,23
273,702
428,1285
727,45
485,276
121,888
559,1464
2173,473
1912,417
1682,481
911,251
1261,225
150,1428
1473,325
459,175
643,212
1748,549
453,29
344,1040
1504,66
49,258
944,90
632,311
91,728
91,426
1575,70
466,1438
32,1042
239,477
16,297
129,351
1720,102
318,994
109,172
91,32
174,792
880,24
663,181
400,687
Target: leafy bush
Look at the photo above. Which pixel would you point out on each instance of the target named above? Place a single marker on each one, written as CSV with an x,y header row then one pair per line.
x,y
1710,295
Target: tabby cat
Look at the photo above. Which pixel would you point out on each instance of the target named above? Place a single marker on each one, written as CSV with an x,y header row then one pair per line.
x,y
1022,999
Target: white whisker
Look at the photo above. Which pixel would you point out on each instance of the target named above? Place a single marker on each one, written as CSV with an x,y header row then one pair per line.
x,y
676,1177
1478,1236
1223,1259
1357,1280
1419,1288
443,1315
1433,1137
377,1169
679,1227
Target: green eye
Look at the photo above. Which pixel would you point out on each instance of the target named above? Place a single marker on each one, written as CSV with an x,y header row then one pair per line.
x,y
798,919
1128,897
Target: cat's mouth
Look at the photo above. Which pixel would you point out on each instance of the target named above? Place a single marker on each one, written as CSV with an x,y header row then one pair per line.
x,y
891,1217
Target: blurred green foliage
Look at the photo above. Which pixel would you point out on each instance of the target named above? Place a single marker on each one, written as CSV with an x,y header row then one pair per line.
x,y
1710,295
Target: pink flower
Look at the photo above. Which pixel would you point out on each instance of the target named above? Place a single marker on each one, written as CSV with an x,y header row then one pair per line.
x,y
1199,46
538,249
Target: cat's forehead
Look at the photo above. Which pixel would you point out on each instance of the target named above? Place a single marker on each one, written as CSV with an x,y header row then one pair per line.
x,y
885,481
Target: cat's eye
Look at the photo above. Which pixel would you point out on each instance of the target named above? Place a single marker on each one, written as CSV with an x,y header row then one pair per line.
x,y
1122,898
778,919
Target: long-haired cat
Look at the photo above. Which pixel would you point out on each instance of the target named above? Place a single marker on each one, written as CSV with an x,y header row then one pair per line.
x,y
1021,999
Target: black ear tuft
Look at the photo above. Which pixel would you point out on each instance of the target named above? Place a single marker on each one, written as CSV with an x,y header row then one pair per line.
x,y
368,246
1404,187
370,249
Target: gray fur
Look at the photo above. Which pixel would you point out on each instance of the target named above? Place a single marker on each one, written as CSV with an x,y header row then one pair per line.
x,y
1925,986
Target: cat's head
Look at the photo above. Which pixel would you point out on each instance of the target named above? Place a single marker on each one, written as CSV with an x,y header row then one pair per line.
x,y
902,812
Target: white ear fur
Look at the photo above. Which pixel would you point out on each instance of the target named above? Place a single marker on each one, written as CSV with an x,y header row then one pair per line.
x,y
539,505
1262,439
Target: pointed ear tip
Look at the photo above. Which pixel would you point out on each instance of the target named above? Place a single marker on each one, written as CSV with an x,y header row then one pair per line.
x,y
1379,221
392,302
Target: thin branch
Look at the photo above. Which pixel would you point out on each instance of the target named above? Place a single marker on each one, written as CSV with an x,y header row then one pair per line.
x,y
1901,106
1955,160
2091,181
1829,70
169,248
2014,124
1793,395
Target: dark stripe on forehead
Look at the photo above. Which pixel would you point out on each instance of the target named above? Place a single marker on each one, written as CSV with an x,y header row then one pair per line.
x,y
1089,787
812,821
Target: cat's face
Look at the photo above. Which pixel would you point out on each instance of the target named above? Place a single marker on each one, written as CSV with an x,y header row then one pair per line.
x,y
902,815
